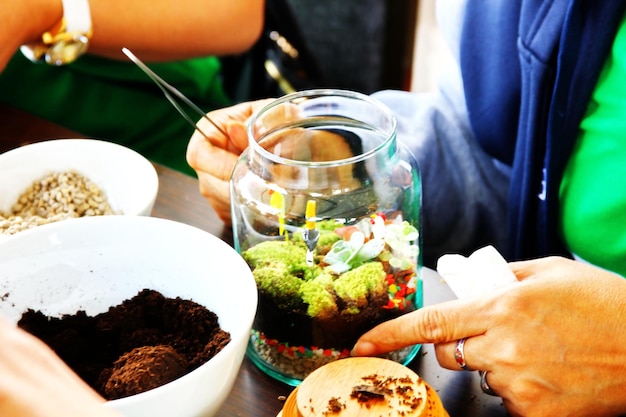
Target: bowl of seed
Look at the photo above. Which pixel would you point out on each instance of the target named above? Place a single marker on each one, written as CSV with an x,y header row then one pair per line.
x,y
58,179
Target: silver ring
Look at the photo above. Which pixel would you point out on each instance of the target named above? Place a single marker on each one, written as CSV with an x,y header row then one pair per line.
x,y
459,355
484,385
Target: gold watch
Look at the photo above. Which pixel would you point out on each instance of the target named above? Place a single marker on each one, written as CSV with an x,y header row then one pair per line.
x,y
67,40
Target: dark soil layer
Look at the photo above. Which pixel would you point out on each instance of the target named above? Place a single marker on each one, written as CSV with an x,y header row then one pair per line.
x,y
168,337
341,331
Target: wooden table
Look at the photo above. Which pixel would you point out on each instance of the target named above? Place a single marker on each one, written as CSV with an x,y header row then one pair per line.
x,y
255,394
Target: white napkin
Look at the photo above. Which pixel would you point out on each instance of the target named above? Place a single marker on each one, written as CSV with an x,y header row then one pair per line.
x,y
482,271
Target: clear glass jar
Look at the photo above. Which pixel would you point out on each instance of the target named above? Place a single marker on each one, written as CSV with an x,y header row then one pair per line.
x,y
325,208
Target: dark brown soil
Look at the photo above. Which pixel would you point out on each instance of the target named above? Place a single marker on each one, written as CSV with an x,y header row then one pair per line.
x,y
172,337
142,369
341,331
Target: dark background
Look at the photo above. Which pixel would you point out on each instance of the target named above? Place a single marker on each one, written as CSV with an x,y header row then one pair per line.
x,y
359,45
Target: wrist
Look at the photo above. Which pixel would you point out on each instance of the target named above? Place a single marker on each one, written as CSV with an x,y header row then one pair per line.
x,y
48,14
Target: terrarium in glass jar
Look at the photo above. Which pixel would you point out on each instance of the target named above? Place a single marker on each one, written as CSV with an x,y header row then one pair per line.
x,y
326,208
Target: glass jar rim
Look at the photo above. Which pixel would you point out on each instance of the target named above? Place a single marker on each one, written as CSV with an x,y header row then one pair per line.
x,y
325,92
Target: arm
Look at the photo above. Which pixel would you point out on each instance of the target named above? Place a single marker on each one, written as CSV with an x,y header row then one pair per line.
x,y
155,30
465,192
553,343
158,30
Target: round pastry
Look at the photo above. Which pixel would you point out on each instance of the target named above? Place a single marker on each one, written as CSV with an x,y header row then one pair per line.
x,y
363,387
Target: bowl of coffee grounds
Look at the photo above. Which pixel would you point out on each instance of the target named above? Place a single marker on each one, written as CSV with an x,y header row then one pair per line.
x,y
154,315
138,345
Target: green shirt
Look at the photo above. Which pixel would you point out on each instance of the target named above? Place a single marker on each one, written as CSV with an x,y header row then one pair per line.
x,y
593,190
116,101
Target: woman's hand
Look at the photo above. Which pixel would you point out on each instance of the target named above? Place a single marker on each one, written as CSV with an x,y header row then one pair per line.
x,y
214,158
35,382
553,343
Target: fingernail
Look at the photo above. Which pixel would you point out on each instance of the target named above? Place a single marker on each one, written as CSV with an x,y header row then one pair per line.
x,y
363,349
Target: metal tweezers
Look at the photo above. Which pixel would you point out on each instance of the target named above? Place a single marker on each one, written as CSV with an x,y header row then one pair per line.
x,y
171,93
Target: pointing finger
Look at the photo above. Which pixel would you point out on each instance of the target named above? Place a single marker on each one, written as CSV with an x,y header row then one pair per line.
x,y
440,323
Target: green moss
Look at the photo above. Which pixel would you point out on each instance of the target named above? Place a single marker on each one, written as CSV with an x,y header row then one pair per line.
x,y
328,225
318,294
327,235
278,252
351,310
354,286
276,282
280,271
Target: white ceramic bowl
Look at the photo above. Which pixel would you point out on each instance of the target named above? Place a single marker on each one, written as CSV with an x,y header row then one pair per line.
x,y
127,178
92,263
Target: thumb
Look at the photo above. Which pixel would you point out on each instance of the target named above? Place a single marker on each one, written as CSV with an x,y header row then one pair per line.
x,y
439,323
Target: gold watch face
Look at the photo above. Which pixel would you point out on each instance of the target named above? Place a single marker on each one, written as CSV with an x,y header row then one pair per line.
x,y
67,50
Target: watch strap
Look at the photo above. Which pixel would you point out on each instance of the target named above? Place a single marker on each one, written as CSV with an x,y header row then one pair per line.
x,y
77,15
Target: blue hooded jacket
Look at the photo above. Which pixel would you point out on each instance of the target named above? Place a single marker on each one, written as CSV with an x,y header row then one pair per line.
x,y
529,69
